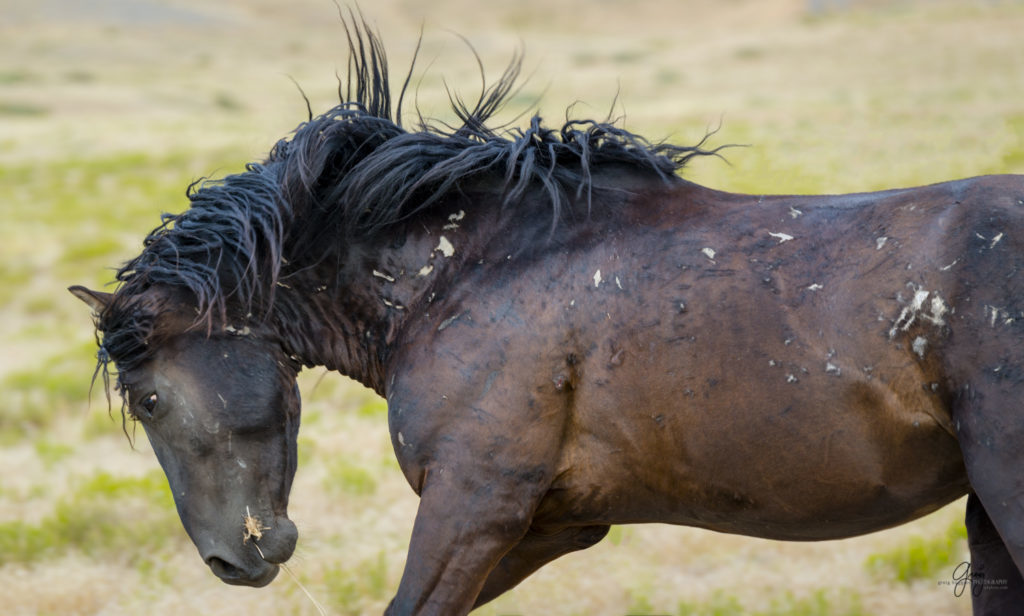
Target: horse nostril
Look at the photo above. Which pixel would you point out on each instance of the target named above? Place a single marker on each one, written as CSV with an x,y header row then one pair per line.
x,y
260,574
222,568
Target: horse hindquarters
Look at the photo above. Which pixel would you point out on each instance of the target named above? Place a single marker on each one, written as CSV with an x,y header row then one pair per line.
x,y
985,357
990,427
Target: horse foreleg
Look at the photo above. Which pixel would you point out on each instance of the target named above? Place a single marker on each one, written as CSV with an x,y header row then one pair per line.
x,y
464,526
533,552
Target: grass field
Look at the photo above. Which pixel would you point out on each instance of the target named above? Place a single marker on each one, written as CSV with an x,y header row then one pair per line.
x,y
108,112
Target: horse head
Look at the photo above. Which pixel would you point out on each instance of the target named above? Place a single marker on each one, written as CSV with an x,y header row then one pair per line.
x,y
220,407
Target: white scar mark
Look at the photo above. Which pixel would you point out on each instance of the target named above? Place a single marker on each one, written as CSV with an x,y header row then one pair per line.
x,y
597,278
708,252
782,237
815,287
939,310
946,268
445,247
426,269
795,213
453,220
935,313
995,240
618,283
245,331
919,346
994,315
880,242
383,276
909,313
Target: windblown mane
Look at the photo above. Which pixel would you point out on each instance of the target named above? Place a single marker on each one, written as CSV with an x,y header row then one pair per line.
x,y
350,175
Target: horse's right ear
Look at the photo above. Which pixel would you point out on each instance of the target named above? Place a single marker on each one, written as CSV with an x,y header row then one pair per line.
x,y
97,300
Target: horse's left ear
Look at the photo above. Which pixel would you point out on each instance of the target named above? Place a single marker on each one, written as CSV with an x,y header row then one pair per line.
x,y
97,300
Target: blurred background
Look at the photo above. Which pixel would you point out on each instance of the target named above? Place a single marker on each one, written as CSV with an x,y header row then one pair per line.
x,y
110,108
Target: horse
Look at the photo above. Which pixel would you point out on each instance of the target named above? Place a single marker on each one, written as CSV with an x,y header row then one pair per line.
x,y
570,335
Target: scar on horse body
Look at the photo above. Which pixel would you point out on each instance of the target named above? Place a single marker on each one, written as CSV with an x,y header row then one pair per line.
x,y
571,336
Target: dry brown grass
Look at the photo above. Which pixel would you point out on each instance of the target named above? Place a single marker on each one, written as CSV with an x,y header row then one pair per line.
x,y
888,94
252,528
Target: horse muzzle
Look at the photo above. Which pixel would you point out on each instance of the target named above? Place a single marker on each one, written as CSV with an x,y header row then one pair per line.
x,y
254,562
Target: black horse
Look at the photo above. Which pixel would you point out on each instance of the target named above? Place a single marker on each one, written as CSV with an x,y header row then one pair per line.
x,y
570,336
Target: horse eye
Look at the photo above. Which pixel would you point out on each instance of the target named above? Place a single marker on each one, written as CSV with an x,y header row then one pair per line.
x,y
149,403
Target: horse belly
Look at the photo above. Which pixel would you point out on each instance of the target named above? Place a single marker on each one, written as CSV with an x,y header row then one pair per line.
x,y
803,469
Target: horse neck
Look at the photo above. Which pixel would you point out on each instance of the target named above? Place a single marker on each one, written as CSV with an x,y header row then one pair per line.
x,y
350,311
347,312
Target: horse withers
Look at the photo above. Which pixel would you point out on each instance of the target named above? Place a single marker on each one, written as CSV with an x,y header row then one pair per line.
x,y
571,336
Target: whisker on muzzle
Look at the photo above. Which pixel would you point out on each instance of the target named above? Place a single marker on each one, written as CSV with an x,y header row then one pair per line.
x,y
254,530
295,578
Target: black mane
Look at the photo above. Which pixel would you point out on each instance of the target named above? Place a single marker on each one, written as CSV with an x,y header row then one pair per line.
x,y
350,175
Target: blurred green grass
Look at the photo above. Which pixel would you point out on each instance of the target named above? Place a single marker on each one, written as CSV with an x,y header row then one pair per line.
x,y
821,602
105,517
922,558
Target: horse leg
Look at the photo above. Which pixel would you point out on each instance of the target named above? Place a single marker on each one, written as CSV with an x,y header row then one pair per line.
x,y
482,456
990,560
465,524
991,435
533,552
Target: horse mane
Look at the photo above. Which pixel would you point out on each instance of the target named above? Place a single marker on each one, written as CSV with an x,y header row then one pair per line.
x,y
350,175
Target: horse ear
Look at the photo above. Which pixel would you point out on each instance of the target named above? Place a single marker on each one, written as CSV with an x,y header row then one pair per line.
x,y
97,300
